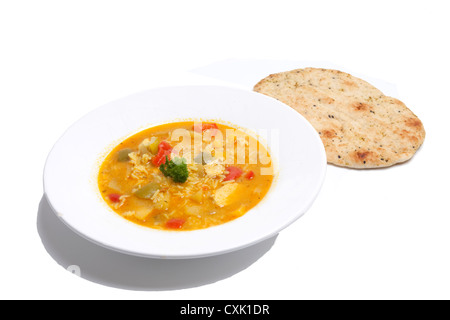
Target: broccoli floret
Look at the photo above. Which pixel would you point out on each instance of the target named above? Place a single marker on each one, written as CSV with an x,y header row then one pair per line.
x,y
176,169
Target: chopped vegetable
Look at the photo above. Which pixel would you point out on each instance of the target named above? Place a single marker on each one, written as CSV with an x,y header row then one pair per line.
x,y
122,155
175,223
164,151
143,146
176,169
115,185
250,175
197,127
200,127
154,144
233,173
114,197
198,196
142,213
158,219
147,191
193,210
239,212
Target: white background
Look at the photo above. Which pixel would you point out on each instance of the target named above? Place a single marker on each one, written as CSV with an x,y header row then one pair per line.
x,y
375,234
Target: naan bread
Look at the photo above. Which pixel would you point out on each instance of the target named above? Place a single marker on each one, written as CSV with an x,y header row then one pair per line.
x,y
359,126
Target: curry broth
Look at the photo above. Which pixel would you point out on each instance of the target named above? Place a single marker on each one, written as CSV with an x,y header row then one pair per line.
x,y
214,192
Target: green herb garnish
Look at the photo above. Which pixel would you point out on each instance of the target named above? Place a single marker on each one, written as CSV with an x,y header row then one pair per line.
x,y
176,169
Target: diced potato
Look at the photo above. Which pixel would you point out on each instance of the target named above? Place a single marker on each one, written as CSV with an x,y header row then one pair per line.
x,y
142,213
115,185
198,196
193,210
223,196
143,146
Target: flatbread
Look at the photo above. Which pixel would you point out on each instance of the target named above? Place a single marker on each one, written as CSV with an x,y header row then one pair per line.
x,y
360,127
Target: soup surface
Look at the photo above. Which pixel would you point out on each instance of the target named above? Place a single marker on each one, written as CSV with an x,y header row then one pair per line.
x,y
185,175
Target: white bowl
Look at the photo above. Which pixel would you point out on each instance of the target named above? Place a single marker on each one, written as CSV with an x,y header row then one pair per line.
x,y
70,174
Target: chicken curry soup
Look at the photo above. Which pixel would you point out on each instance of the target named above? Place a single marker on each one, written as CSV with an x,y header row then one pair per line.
x,y
185,176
